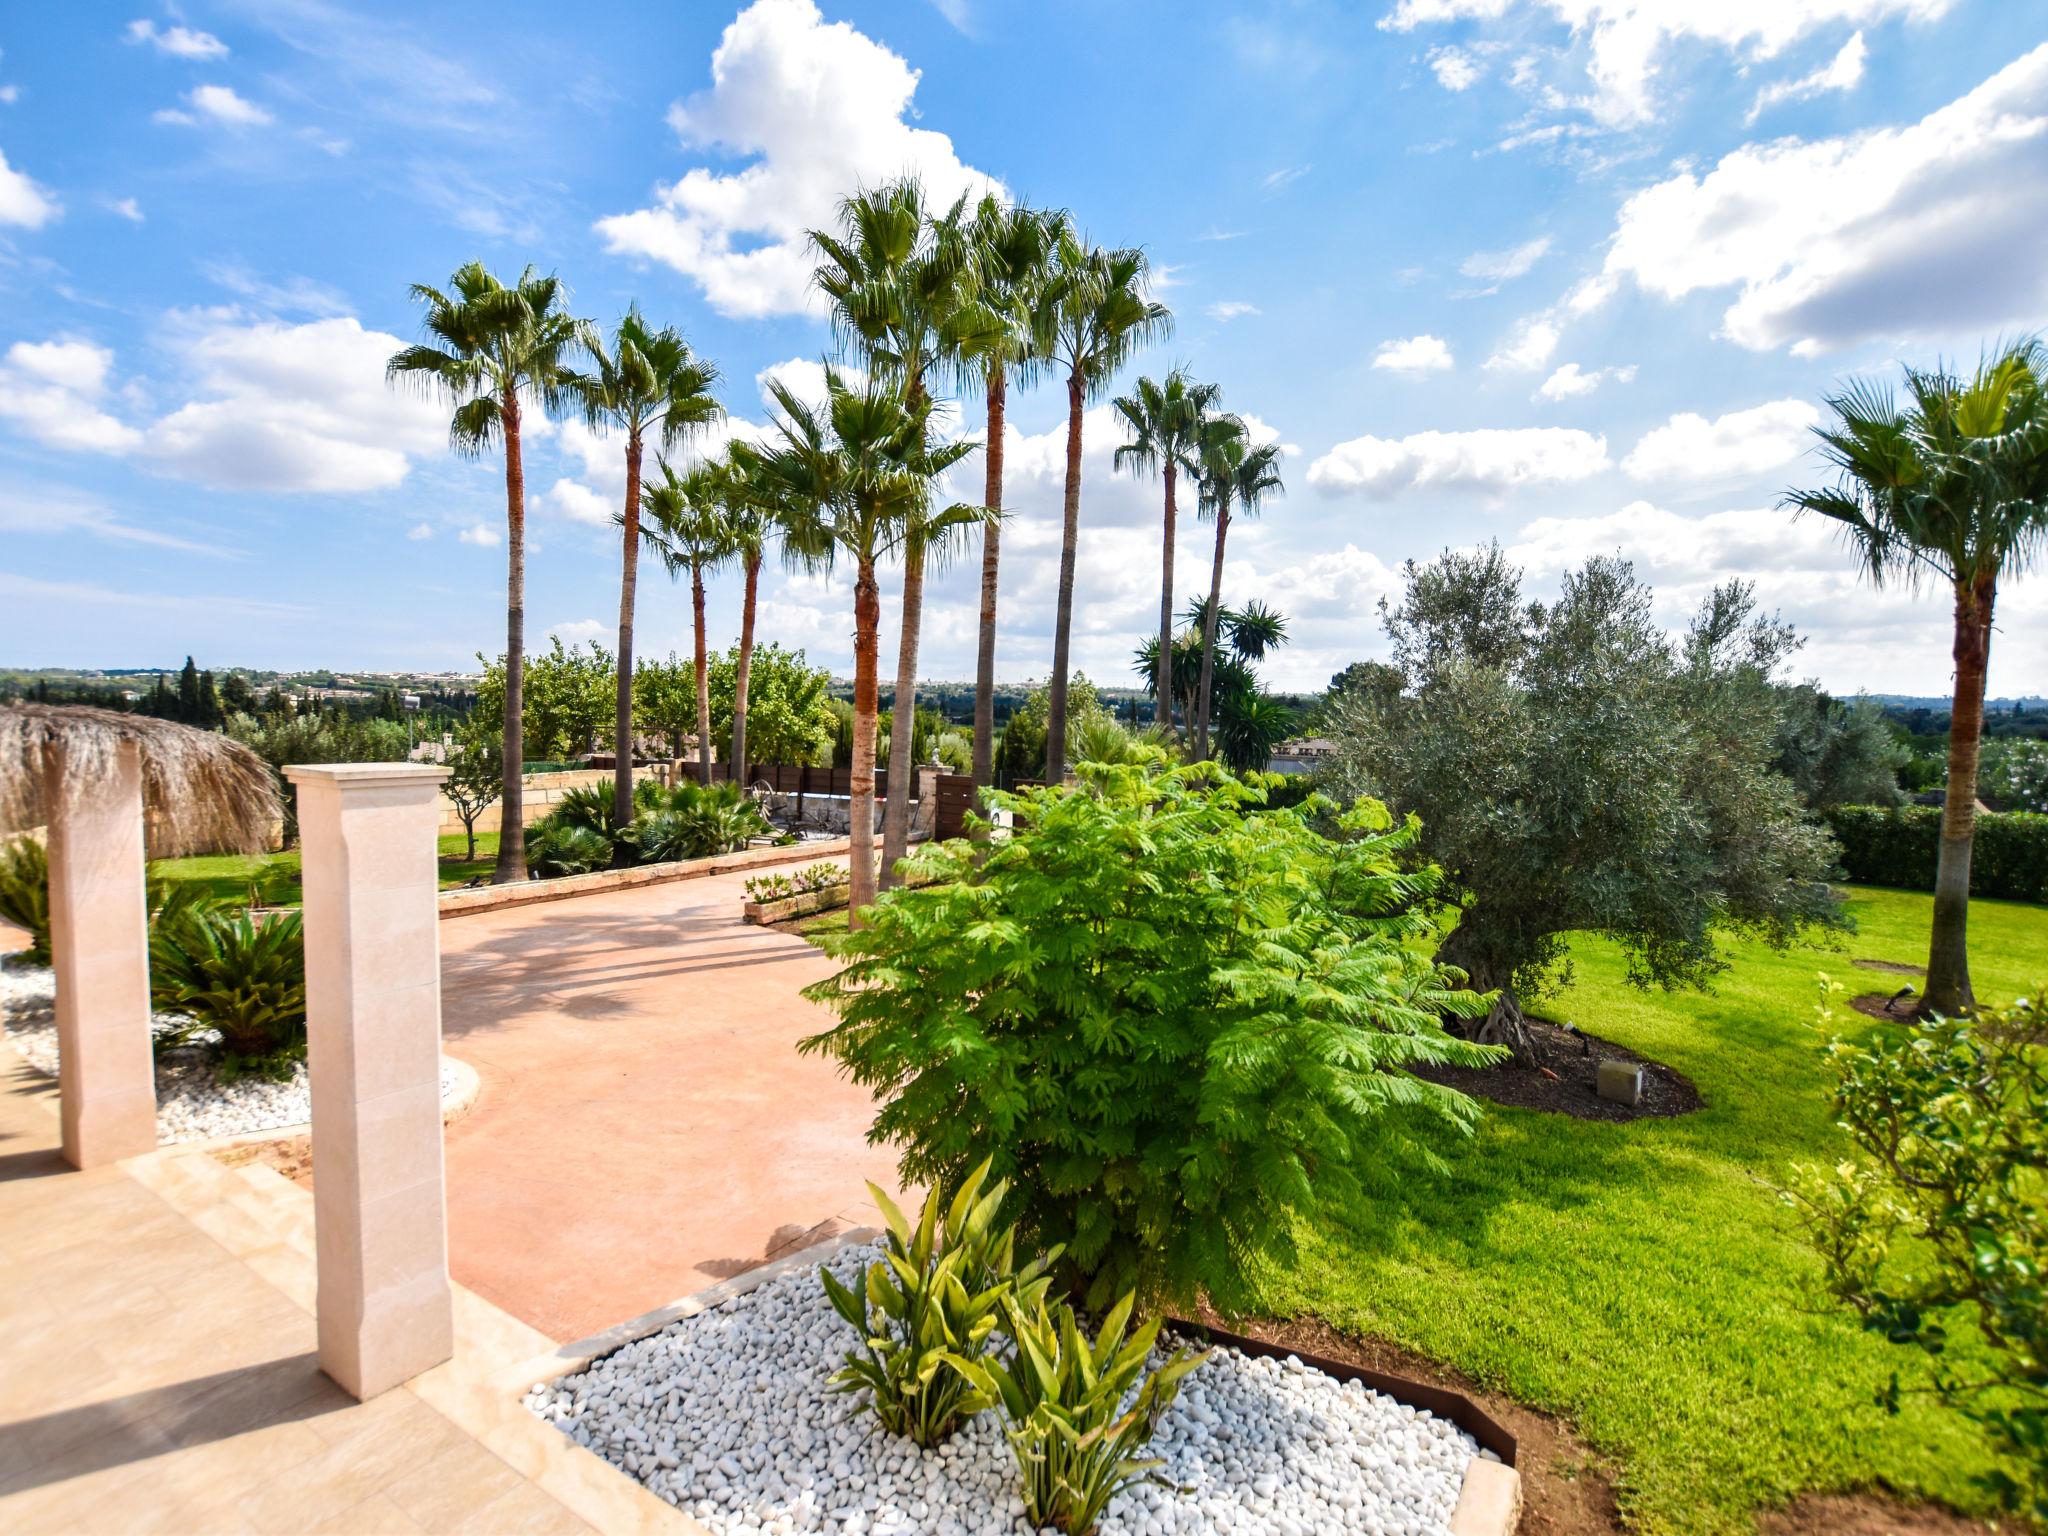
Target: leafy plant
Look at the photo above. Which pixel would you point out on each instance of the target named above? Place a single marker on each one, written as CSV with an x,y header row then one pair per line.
x,y
1939,1215
819,877
1077,1445
933,1298
770,888
25,893
586,805
693,821
241,978
555,848
1176,1019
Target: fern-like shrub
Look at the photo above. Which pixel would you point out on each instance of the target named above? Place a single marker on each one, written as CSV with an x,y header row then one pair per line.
x,y
692,821
555,848
1174,1019
25,893
242,979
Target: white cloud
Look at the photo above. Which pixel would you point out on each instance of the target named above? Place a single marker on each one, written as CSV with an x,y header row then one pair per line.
x,y
1416,354
819,110
1571,381
182,42
1489,460
32,509
1230,309
1730,447
1286,176
1502,266
574,632
1528,347
1456,70
581,504
22,201
52,392
220,104
1894,232
1844,72
127,208
420,531
1627,39
482,535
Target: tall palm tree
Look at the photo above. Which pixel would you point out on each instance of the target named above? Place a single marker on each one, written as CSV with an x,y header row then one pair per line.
x,y
1166,423
752,517
1093,315
493,350
991,336
1234,473
643,382
685,525
895,276
1951,486
851,476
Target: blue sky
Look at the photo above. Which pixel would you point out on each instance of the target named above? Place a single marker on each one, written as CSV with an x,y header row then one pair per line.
x,y
1573,274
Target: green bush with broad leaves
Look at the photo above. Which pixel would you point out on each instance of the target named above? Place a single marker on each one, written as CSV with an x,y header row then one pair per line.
x,y
934,1297
1177,1020
241,977
25,893
1936,1217
1077,1445
556,848
1900,846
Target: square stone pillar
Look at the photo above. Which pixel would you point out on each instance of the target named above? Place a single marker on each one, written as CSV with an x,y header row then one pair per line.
x,y
373,1025
99,946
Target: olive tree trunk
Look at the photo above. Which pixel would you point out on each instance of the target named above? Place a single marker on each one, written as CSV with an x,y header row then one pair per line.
x,y
511,863
1063,624
1948,959
1505,1023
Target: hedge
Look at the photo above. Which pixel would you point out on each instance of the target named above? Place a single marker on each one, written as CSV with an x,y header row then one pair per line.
x,y
1885,846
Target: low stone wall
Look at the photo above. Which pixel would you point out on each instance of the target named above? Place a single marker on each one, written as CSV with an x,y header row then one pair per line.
x,y
487,898
542,790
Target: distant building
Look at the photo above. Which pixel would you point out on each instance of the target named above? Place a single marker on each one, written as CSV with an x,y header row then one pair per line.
x,y
1304,754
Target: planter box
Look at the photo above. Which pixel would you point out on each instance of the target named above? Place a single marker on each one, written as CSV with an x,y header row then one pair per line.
x,y
486,898
801,905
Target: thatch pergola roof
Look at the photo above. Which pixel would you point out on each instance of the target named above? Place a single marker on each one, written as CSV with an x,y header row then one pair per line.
x,y
201,792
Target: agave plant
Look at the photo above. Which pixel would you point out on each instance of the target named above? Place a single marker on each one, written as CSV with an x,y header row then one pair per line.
x,y
555,848
1077,1445
242,979
935,1297
25,893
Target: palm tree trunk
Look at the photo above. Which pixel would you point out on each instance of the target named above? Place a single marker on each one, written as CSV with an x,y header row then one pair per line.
x,y
703,678
1070,533
743,673
511,864
903,720
629,581
1162,687
1948,958
991,555
860,858
1209,621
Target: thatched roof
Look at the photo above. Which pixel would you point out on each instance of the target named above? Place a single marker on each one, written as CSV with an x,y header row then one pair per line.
x,y
201,793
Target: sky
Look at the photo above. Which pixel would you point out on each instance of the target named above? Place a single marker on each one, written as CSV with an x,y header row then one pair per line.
x,y
1574,275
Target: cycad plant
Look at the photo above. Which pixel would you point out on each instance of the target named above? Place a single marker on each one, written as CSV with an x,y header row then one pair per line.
x,y
25,893
1949,485
241,978
643,382
494,350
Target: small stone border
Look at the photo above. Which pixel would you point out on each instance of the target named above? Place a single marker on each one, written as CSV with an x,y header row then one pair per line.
x,y
1489,1500
489,898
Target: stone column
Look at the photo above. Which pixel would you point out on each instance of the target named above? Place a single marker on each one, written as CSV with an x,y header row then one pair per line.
x,y
373,1026
99,944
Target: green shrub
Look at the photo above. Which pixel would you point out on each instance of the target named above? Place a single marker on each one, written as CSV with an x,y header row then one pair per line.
x,y
820,877
1077,1446
1174,1019
555,848
244,979
693,821
25,893
934,1298
1887,846
586,805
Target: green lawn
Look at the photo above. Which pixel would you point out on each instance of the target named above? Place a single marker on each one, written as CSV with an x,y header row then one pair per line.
x,y
275,876
1641,1279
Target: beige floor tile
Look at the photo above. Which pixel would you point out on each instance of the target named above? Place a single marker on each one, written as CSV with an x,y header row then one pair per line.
x,y
453,1486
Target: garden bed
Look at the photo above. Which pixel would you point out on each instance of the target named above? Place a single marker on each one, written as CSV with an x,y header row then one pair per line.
x,y
192,1103
730,1415
1566,1082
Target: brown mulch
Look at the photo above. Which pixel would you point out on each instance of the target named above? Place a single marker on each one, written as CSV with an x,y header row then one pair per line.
x,y
1892,1007
1567,1080
1896,967
1864,1514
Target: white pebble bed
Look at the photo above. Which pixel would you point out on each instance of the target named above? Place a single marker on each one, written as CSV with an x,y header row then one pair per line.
x,y
191,1105
730,1416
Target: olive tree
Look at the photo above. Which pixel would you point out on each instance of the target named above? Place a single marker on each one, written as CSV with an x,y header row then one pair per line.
x,y
1575,768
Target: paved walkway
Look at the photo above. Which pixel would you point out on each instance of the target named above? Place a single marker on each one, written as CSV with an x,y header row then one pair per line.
x,y
646,1126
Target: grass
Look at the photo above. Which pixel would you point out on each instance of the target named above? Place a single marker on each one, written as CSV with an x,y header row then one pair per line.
x,y
275,876
1641,1279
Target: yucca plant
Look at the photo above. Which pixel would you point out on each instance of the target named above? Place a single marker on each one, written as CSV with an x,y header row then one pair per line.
x,y
555,848
935,1296
1077,1446
242,979
25,893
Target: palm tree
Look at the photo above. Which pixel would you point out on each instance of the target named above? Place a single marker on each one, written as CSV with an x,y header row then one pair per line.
x,y
752,515
991,337
851,477
686,527
1233,473
896,276
1166,422
1249,722
495,348
644,382
1093,315
1951,486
